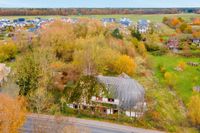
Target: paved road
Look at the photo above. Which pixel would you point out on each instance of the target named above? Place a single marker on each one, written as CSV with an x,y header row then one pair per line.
x,y
50,124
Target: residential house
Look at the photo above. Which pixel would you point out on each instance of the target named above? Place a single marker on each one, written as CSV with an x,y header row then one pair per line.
x,y
126,22
143,26
126,97
196,41
173,44
108,20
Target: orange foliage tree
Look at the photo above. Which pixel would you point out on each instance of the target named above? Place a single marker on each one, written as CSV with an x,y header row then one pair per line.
x,y
12,114
175,22
196,34
196,21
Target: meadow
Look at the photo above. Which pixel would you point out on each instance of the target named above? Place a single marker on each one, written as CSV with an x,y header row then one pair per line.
x,y
134,17
184,80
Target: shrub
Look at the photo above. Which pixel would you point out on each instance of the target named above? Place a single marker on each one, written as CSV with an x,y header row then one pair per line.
x,y
170,79
181,65
194,109
7,51
13,113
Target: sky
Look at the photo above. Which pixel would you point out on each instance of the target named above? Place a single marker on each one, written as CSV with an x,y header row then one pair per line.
x,y
98,3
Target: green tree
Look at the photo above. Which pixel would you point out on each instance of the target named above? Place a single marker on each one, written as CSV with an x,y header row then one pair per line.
x,y
116,33
136,34
27,74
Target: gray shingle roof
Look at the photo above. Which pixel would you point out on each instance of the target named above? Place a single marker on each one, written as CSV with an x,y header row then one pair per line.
x,y
127,90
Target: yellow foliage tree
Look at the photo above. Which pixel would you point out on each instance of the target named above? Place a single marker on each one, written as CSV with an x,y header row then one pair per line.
x,y
194,110
142,50
12,114
182,65
169,79
7,51
125,64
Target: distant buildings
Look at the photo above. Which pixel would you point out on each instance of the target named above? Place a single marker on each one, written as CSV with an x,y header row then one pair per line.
x,y
22,22
143,26
126,22
108,20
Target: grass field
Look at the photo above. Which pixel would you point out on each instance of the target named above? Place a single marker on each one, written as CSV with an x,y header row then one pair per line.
x,y
133,17
184,80
136,17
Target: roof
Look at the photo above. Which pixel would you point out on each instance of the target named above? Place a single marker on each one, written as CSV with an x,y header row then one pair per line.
x,y
127,90
143,23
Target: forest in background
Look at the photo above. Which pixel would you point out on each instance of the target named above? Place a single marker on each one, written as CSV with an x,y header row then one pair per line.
x,y
93,11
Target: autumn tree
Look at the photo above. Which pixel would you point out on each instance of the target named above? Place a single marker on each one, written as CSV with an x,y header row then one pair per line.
x,y
170,79
196,34
196,21
182,65
13,114
7,51
175,22
142,49
125,64
194,109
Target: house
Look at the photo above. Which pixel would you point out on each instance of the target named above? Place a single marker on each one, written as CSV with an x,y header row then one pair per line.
x,y
21,19
126,97
108,20
126,22
4,71
173,44
143,26
196,41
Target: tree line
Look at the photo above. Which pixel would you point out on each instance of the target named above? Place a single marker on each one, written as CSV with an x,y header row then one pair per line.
x,y
89,11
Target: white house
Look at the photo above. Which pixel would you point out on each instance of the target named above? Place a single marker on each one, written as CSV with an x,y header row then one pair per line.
x,y
143,26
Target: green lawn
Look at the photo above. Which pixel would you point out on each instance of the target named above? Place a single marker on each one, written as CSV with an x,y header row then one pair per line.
x,y
184,80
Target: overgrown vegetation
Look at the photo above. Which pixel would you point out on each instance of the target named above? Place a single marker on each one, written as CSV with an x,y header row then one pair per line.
x,y
59,64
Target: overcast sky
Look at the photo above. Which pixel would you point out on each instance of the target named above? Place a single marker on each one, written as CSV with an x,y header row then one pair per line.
x,y
99,3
